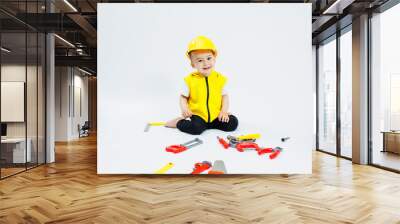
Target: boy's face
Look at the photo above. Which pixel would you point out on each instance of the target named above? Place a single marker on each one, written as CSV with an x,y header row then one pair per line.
x,y
203,61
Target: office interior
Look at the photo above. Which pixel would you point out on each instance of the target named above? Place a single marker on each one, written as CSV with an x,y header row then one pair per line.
x,y
49,94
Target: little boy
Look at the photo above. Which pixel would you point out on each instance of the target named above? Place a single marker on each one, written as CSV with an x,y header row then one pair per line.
x,y
204,99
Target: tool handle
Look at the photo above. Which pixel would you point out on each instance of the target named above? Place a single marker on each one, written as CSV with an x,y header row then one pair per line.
x,y
164,168
249,136
175,148
156,123
274,154
247,145
263,151
223,142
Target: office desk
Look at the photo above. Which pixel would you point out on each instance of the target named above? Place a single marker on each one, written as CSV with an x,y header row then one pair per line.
x,y
13,150
391,141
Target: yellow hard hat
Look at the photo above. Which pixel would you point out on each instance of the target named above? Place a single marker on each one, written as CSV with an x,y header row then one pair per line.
x,y
201,43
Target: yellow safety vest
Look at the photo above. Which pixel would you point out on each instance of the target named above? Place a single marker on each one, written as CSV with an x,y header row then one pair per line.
x,y
205,94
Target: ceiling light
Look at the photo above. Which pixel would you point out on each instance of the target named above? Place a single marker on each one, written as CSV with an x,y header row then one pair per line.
x,y
5,50
338,6
84,71
70,5
65,41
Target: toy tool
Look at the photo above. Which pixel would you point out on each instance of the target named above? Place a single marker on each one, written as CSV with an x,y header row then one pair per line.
x,y
165,168
148,125
183,147
223,142
201,167
266,150
248,137
252,145
233,141
218,167
277,151
284,139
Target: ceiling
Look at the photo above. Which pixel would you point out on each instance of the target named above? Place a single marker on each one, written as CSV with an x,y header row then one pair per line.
x,y
75,21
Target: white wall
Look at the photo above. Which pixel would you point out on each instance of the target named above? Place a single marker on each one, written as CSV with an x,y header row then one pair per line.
x,y
69,84
265,54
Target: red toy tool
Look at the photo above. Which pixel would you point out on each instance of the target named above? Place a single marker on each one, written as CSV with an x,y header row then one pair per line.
x,y
277,151
183,147
247,145
201,167
223,142
252,145
266,150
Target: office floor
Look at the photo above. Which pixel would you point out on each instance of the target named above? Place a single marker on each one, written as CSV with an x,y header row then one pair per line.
x,y
387,159
70,191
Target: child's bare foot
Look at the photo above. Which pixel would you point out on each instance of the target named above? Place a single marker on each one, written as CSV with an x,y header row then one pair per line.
x,y
172,123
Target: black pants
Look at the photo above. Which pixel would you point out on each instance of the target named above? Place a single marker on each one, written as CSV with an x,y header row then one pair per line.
x,y
197,125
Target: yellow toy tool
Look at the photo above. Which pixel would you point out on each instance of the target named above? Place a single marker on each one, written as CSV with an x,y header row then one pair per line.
x,y
249,136
148,125
165,168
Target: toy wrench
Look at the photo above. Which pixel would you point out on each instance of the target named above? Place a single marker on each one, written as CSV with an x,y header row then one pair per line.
x,y
183,147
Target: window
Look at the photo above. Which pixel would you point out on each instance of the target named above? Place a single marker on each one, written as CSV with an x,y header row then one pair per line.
x,y
327,96
346,93
385,89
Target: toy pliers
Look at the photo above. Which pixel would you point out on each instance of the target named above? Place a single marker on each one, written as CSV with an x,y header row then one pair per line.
x,y
247,145
223,142
277,151
183,147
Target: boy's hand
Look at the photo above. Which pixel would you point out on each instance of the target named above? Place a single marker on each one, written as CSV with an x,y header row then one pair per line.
x,y
223,116
186,112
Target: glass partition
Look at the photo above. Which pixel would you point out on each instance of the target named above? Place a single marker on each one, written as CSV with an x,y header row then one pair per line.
x,y
385,89
14,153
327,96
22,77
346,94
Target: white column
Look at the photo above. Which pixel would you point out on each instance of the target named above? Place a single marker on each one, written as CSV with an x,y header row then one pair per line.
x,y
360,90
50,100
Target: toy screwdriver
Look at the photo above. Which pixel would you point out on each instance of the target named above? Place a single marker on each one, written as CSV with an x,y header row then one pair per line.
x,y
183,147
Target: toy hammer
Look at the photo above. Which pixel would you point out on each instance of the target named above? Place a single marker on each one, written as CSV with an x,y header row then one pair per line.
x,y
148,125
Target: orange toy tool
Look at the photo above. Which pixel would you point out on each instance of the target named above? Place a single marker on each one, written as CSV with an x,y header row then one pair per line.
x,y
223,142
266,150
183,147
277,151
201,167
247,145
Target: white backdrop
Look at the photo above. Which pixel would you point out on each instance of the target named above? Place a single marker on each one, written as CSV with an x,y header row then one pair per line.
x,y
264,50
